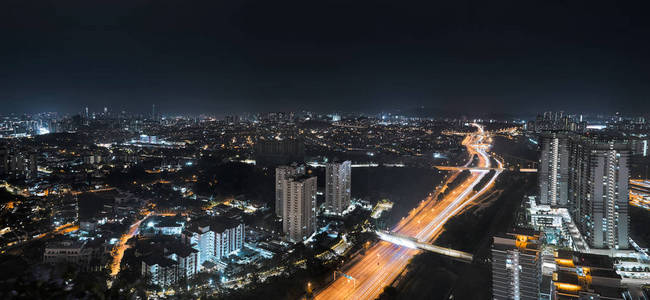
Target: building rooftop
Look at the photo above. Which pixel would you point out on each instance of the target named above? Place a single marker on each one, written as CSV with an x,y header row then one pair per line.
x,y
165,221
526,241
65,244
593,261
212,223
182,250
156,259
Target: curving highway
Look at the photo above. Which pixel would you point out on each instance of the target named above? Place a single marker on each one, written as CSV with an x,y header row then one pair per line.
x,y
383,262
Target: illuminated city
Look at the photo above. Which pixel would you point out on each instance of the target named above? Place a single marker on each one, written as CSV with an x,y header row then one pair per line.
x,y
341,150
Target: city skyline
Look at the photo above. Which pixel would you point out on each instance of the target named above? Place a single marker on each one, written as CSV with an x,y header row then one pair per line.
x,y
224,207
366,150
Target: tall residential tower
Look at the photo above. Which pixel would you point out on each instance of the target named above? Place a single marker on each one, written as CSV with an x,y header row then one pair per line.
x,y
554,169
338,183
516,267
281,174
600,190
299,207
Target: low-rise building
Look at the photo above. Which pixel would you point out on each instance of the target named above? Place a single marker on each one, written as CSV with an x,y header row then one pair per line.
x,y
164,225
585,276
214,237
69,251
166,260
85,254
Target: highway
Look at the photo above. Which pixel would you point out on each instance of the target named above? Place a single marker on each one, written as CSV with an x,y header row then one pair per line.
x,y
414,244
383,262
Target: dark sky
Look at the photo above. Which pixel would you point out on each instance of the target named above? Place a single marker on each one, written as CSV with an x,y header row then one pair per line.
x,y
227,56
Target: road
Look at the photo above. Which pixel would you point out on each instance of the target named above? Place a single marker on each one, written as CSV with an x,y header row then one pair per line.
x,y
384,261
120,247
63,229
118,250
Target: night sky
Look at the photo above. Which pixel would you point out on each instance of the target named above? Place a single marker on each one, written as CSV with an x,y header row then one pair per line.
x,y
231,56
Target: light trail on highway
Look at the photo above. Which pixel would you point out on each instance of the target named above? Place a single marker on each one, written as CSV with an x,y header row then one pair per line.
x,y
63,229
383,262
120,247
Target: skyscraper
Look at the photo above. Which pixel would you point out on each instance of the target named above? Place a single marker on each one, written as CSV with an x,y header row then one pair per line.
x,y
554,169
516,267
578,165
153,112
299,207
338,184
281,174
602,191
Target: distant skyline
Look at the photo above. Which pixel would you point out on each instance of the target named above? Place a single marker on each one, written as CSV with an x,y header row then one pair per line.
x,y
415,112
465,57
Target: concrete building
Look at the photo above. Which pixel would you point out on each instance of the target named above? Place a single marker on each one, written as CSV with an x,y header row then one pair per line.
x,y
163,225
338,184
516,266
66,209
281,174
88,225
166,260
601,191
68,251
554,169
585,276
214,237
299,207
18,163
87,255
589,175
92,158
578,170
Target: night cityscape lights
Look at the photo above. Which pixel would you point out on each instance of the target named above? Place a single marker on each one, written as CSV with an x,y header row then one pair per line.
x,y
324,150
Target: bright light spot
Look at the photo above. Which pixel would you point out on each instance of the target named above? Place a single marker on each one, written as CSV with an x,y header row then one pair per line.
x,y
43,130
596,127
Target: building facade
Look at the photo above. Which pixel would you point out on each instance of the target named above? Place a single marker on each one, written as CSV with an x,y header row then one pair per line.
x,y
171,263
588,174
214,238
87,255
71,251
18,163
299,207
602,192
281,174
554,169
338,184
585,276
516,267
